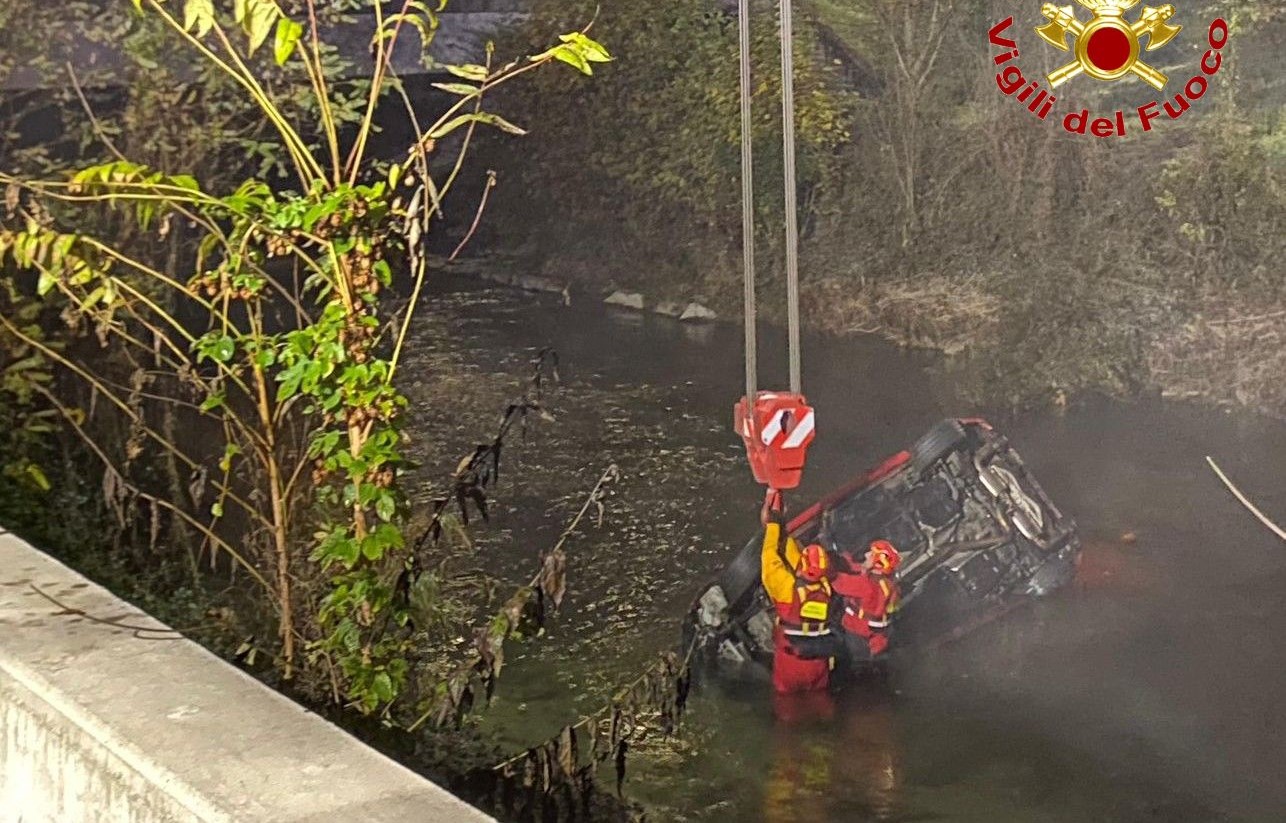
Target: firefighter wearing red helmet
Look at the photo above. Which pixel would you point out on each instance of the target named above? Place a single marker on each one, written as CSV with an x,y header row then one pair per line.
x,y
870,597
798,582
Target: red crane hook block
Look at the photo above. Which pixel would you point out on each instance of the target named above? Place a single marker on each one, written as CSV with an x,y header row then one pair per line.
x,y
778,428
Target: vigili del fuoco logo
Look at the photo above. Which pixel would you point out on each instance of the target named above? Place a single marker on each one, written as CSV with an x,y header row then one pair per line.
x,y
1108,47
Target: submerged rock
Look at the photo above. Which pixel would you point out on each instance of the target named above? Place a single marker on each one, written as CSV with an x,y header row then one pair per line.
x,y
624,299
696,311
534,283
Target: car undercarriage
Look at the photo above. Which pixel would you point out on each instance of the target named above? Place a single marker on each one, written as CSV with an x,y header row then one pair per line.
x,y
976,531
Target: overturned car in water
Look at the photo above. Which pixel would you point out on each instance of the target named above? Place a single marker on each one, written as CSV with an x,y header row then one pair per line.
x,y
976,531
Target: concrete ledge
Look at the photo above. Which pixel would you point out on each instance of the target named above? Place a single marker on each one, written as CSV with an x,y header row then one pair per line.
x,y
99,725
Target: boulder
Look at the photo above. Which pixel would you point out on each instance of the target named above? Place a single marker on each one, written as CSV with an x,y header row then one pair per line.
x,y
669,309
626,300
696,311
534,283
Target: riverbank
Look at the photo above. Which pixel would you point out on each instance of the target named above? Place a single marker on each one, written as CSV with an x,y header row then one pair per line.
x,y
1221,350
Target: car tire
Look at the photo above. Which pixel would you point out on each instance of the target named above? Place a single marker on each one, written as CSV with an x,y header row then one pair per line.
x,y
741,576
936,443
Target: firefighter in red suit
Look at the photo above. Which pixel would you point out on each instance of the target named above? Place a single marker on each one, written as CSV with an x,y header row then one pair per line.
x,y
870,597
797,581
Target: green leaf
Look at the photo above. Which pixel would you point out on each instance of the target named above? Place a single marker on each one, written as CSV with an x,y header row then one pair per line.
x,y
212,402
591,50
217,509
382,686
336,545
260,15
573,58
469,71
451,125
37,476
93,297
46,283
500,123
386,507
290,380
462,89
475,117
385,536
223,349
185,181
198,14
230,451
288,34
391,23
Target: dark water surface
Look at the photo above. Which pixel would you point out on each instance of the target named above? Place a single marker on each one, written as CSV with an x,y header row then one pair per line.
x,y
1153,689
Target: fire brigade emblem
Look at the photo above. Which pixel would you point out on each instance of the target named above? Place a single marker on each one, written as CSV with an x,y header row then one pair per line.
x,y
1107,47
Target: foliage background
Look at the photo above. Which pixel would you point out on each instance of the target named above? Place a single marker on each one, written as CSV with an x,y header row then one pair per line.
x,y
937,212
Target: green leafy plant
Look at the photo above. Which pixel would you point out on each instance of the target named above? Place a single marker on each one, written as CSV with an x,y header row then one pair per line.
x,y
657,148
295,359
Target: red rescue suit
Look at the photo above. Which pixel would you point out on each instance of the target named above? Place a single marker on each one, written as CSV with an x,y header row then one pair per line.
x,y
869,599
803,609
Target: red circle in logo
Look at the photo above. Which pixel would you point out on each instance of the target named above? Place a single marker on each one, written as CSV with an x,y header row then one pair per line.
x,y
1108,49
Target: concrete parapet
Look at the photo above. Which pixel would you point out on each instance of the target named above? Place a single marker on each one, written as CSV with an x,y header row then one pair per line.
x,y
99,724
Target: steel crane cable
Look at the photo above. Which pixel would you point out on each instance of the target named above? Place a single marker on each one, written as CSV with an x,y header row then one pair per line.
x,y
747,203
791,205
792,217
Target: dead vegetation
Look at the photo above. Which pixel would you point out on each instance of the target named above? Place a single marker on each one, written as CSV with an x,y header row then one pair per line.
x,y
947,218
943,312
559,778
1230,351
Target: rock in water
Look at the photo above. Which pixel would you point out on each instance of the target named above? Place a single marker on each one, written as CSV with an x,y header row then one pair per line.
x,y
696,311
534,283
624,299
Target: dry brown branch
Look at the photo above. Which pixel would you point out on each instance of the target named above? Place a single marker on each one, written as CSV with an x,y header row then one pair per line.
x,y
1231,352
1241,498
456,697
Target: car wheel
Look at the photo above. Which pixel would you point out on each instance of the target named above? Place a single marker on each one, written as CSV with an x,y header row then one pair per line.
x,y
741,576
937,443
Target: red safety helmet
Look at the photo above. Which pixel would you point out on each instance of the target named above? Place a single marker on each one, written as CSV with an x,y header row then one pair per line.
x,y
814,564
882,557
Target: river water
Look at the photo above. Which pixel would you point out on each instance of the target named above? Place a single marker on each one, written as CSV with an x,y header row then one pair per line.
x,y
1152,689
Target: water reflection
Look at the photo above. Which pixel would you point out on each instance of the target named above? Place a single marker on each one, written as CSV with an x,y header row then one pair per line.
x,y
837,755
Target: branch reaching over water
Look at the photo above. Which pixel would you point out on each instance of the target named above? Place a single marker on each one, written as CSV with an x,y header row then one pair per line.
x,y
479,469
550,774
1241,498
456,695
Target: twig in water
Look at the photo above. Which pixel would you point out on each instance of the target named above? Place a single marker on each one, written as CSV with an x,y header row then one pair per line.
x,y
479,469
458,694
1241,498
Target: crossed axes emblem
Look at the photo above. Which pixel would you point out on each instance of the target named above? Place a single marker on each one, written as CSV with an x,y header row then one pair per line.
x,y
1107,47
